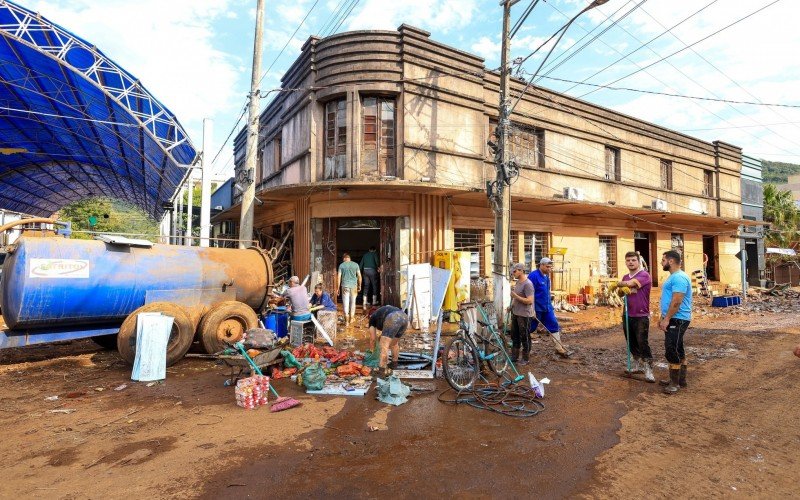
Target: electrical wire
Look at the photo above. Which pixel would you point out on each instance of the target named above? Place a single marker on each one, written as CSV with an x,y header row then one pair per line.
x,y
668,94
510,400
664,58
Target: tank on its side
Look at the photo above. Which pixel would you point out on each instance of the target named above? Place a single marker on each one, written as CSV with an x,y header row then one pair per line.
x,y
61,282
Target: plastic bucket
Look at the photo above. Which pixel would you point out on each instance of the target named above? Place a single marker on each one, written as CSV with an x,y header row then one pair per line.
x,y
278,322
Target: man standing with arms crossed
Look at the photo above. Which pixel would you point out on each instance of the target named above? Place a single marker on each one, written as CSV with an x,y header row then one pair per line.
x,y
349,280
636,325
676,313
521,313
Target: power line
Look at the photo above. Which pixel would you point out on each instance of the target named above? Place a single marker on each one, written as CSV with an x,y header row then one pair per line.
x,y
654,92
522,18
552,68
355,2
737,126
679,71
688,46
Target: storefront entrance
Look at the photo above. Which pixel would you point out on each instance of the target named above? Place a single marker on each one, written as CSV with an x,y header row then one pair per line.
x,y
645,244
355,237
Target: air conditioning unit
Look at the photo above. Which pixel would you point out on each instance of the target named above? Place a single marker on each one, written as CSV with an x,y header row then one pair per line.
x,y
572,193
660,205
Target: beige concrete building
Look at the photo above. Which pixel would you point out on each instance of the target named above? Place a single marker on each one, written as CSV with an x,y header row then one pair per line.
x,y
380,138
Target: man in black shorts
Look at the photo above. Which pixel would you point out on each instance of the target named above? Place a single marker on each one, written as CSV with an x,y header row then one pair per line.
x,y
392,323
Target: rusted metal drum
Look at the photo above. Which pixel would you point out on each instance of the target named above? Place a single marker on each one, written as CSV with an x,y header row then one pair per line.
x,y
56,281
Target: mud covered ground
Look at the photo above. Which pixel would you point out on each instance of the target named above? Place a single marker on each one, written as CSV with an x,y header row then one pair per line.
x,y
735,431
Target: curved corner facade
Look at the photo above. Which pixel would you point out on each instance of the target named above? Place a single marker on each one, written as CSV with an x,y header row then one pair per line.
x,y
379,138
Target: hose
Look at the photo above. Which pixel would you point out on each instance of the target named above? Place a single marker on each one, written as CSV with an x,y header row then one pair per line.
x,y
510,400
30,220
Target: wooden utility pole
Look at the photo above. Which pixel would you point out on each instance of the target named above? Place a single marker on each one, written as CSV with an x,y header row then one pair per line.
x,y
247,180
501,191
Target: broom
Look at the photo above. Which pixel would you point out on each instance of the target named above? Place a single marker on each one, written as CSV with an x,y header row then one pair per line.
x,y
280,403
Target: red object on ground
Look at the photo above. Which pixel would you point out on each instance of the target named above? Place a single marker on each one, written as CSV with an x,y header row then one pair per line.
x,y
797,351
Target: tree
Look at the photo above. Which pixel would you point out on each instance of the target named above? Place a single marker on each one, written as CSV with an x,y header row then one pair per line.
x,y
783,215
105,215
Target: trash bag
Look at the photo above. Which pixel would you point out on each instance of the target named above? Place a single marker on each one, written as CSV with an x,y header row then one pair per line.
x,y
259,338
289,360
373,358
314,377
392,391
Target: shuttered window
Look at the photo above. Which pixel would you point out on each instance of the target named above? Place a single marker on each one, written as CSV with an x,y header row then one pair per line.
x,y
335,139
378,142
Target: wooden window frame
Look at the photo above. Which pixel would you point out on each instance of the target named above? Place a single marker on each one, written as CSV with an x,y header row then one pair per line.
x,y
666,174
613,171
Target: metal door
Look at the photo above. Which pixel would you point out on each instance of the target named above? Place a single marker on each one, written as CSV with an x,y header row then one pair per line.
x,y
388,254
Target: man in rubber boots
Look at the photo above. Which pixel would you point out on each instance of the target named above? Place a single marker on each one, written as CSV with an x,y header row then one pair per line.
x,y
637,325
392,323
369,269
676,313
543,306
521,314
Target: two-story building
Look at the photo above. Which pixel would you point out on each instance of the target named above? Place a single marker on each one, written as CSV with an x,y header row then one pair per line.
x,y
380,138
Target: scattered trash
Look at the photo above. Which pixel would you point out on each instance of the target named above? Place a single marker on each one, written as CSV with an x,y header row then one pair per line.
x,y
75,394
120,387
314,377
65,411
537,388
51,398
152,336
392,390
151,384
372,428
99,389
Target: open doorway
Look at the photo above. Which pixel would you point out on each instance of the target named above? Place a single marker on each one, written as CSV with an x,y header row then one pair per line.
x,y
710,257
356,237
752,274
644,243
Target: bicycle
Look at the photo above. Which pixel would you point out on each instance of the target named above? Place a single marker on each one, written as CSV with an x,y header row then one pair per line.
x,y
477,343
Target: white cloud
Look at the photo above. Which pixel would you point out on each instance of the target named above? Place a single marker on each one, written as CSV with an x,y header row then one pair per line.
x,y
487,48
167,45
440,16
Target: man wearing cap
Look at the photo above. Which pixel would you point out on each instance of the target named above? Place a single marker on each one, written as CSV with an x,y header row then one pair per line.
x,y
297,296
543,306
521,314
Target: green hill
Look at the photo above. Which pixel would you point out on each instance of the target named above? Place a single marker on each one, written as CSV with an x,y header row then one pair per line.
x,y
776,172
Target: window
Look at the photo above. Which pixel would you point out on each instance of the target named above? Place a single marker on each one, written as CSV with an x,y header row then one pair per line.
x,y
535,246
335,140
526,145
613,167
666,174
271,158
513,247
377,146
470,240
708,183
608,256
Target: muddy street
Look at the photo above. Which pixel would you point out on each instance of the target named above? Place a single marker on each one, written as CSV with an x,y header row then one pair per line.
x,y
734,430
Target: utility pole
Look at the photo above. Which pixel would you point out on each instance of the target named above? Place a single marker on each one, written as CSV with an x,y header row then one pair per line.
x,y
247,181
205,185
500,194
189,210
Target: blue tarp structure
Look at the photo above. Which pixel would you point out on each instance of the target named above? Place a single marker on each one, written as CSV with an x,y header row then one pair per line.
x,y
74,125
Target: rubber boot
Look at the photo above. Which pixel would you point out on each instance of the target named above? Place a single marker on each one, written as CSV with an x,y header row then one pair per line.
x,y
682,377
648,372
525,358
514,354
673,385
365,304
559,346
638,366
374,300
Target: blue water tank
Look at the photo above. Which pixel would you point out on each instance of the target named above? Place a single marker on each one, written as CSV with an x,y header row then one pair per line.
x,y
62,282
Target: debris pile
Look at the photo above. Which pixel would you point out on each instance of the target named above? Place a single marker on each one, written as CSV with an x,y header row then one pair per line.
x,y
759,300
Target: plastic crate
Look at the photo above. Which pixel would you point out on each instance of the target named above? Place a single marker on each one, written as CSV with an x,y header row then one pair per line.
x,y
726,301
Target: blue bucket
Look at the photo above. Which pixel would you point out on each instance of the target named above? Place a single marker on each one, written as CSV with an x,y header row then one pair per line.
x,y
277,320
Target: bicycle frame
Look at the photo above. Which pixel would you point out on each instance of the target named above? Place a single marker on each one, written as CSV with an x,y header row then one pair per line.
x,y
500,342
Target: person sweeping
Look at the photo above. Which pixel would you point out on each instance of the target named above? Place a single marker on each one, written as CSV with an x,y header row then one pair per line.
x,y
636,318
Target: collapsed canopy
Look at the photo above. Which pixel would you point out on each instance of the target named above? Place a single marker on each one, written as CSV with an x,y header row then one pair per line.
x,y
75,125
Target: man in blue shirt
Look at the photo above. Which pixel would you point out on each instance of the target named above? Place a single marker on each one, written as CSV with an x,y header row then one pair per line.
x,y
543,306
676,313
321,300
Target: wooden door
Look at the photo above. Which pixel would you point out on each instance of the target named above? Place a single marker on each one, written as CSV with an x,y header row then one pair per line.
x,y
330,260
388,254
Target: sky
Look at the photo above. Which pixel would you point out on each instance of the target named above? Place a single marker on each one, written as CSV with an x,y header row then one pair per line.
x,y
195,55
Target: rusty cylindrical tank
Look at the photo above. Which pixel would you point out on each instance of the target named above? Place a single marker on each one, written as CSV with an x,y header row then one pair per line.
x,y
63,282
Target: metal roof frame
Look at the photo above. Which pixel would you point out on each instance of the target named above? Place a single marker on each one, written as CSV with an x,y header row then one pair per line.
x,y
74,124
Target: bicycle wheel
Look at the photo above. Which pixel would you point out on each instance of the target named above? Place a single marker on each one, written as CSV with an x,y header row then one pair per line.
x,y
497,361
460,363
